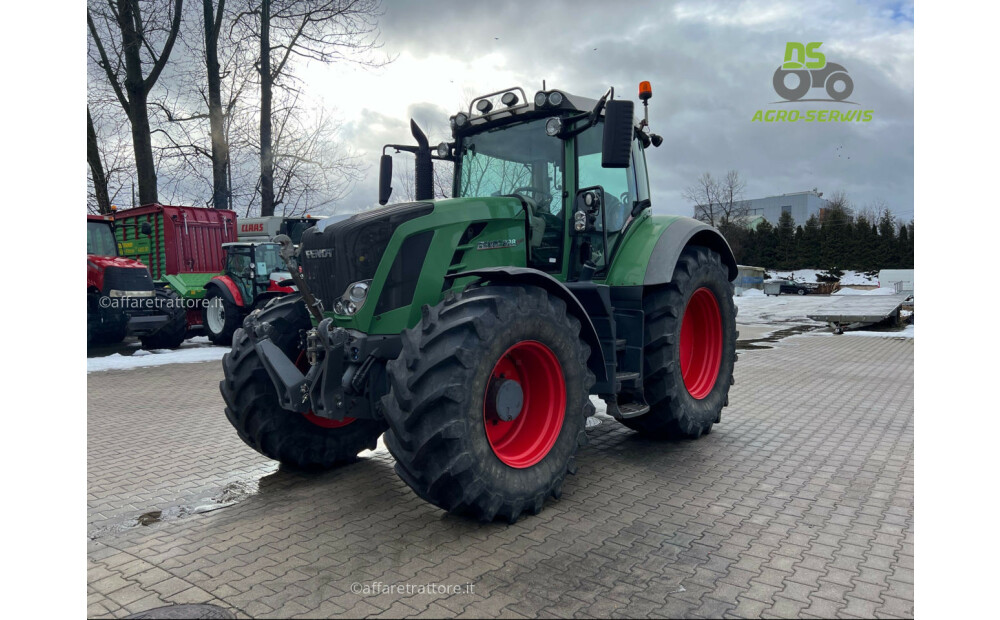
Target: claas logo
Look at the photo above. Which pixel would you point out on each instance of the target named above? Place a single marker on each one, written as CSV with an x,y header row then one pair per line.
x,y
252,228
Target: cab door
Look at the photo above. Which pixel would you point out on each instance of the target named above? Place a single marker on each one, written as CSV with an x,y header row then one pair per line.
x,y
621,192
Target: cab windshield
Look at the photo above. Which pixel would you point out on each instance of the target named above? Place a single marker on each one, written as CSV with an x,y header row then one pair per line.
x,y
101,239
265,256
514,159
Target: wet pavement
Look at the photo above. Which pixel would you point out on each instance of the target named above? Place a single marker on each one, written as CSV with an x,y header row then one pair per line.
x,y
800,504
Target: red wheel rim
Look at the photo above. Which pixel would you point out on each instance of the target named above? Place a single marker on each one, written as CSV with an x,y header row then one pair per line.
x,y
525,440
701,343
302,364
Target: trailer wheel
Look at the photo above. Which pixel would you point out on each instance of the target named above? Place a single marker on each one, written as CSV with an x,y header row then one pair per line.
x,y
300,440
220,317
172,334
488,401
690,348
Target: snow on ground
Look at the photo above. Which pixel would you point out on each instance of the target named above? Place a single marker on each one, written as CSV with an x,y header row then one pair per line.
x,y
193,350
850,278
872,291
781,310
906,332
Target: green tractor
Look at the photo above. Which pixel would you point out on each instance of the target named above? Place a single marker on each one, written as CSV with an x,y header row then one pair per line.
x,y
472,331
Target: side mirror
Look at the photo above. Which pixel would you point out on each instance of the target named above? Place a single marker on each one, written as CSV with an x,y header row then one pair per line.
x,y
384,179
145,228
617,143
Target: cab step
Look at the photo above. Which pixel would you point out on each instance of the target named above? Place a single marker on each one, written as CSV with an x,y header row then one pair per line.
x,y
626,380
620,344
622,411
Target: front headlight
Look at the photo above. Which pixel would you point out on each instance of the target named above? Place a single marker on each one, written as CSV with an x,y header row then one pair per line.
x,y
117,293
353,298
358,292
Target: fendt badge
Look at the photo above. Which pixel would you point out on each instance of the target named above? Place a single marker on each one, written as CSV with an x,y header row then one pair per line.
x,y
324,253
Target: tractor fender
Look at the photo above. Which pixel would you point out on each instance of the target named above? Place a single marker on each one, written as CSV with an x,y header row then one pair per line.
x,y
678,235
262,298
227,287
533,277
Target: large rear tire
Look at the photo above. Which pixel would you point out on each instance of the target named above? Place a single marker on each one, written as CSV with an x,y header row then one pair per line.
x,y
300,440
690,348
220,317
488,401
171,335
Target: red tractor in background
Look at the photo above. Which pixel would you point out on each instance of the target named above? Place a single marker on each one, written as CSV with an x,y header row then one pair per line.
x,y
122,299
254,274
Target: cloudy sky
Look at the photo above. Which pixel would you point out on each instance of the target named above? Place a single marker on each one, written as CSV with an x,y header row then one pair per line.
x,y
710,64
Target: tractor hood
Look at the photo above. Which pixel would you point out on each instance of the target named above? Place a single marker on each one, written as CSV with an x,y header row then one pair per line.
x,y
103,262
352,250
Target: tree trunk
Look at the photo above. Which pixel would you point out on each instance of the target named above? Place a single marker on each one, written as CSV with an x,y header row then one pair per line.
x,y
220,147
135,87
266,79
97,169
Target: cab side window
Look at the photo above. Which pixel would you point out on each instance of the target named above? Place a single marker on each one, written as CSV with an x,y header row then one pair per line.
x,y
618,183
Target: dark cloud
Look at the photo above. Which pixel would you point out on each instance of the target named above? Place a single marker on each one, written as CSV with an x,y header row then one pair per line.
x,y
711,67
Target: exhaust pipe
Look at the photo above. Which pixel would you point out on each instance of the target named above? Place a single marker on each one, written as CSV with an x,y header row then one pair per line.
x,y
424,173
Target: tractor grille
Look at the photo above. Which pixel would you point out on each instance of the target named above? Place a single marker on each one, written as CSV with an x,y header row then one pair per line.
x,y
350,250
127,279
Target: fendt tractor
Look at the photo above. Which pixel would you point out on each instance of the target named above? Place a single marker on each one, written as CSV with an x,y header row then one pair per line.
x,y
473,330
121,297
254,274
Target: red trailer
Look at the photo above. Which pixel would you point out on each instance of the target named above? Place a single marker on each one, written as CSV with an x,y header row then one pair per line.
x,y
183,247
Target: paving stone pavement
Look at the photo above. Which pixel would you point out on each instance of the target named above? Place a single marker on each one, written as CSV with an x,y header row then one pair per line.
x,y
800,504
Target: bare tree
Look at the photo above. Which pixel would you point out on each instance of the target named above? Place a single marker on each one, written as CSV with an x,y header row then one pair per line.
x,y
718,201
125,64
734,207
99,179
704,194
323,30
220,146
113,146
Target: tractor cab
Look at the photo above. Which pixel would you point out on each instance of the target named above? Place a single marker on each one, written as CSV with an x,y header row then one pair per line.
x,y
576,165
254,268
121,297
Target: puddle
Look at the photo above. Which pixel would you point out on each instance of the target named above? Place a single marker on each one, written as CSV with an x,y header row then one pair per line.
x,y
766,341
227,496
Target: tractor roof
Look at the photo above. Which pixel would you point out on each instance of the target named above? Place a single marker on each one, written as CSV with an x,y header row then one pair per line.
x,y
499,113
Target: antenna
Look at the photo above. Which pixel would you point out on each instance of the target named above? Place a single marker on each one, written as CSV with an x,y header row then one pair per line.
x,y
543,84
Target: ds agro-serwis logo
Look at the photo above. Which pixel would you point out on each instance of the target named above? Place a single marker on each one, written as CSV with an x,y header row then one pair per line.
x,y
805,68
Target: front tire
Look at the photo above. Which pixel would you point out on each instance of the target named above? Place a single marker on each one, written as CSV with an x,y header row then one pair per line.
x,y
690,348
220,317
488,401
172,334
304,441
